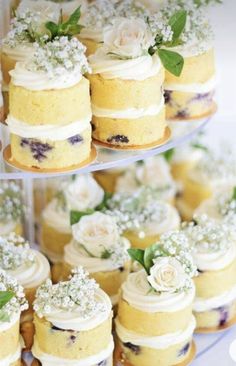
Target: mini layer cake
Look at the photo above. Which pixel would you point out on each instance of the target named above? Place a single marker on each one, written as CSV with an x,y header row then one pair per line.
x,y
11,208
152,172
214,253
191,94
81,194
50,111
28,266
213,173
12,303
98,247
126,87
142,217
1,99
73,323
95,19
155,322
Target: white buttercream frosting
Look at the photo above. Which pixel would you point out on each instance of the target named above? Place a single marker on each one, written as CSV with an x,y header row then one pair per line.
x,y
158,342
95,35
49,132
7,227
31,276
11,359
186,153
225,298
68,7
50,360
20,53
139,68
200,88
36,80
170,222
130,113
136,291
7,325
214,261
73,320
210,208
56,217
192,49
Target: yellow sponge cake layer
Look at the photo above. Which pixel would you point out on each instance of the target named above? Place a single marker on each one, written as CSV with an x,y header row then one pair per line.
x,y
91,46
10,339
71,344
129,132
197,69
195,193
62,106
216,317
51,154
117,94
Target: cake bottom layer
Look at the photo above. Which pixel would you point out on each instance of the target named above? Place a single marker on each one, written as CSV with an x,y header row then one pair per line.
x,y
186,105
216,317
129,132
33,152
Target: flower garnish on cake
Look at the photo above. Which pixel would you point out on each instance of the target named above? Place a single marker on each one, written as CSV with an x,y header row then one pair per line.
x,y
11,207
77,314
142,217
214,252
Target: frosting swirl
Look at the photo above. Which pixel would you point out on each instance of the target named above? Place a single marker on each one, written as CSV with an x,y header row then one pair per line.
x,y
56,217
136,292
22,52
214,261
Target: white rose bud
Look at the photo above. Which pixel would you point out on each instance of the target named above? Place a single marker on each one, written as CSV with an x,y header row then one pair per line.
x,y
167,275
96,232
128,37
83,193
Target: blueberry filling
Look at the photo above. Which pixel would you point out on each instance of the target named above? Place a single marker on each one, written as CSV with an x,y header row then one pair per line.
x,y
121,269
73,338
37,148
167,96
182,113
93,127
102,363
135,349
62,330
118,138
223,315
75,139
199,271
201,96
184,350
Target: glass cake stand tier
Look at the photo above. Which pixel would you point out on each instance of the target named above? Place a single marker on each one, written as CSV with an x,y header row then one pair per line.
x,y
181,132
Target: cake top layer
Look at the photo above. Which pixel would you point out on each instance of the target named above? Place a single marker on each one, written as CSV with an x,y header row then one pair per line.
x,y
12,298
96,236
76,304
141,209
11,204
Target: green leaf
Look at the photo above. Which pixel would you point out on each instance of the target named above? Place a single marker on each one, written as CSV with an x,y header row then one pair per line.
x,y
234,194
5,297
106,254
172,61
52,28
75,16
137,255
149,254
103,204
177,23
75,216
169,154
199,146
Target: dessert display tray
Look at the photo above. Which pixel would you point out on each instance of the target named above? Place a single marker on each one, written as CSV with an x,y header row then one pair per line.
x,y
181,132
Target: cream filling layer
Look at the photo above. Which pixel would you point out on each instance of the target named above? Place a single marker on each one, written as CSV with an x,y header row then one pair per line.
x,y
38,80
131,113
200,88
75,321
50,360
139,68
75,256
159,342
215,261
9,360
212,303
57,218
136,291
32,276
7,325
47,132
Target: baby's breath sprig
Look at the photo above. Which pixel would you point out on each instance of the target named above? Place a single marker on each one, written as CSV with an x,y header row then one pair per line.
x,y
14,252
12,297
77,294
11,202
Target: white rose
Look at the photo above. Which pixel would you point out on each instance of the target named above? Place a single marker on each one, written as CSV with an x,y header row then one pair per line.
x,y
128,37
96,232
83,193
154,172
167,275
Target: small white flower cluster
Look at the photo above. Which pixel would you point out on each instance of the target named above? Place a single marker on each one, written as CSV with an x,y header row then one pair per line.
x,y
131,9
177,245
14,252
132,212
98,14
11,205
207,236
18,302
78,294
23,29
60,56
159,26
198,31
117,253
226,205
